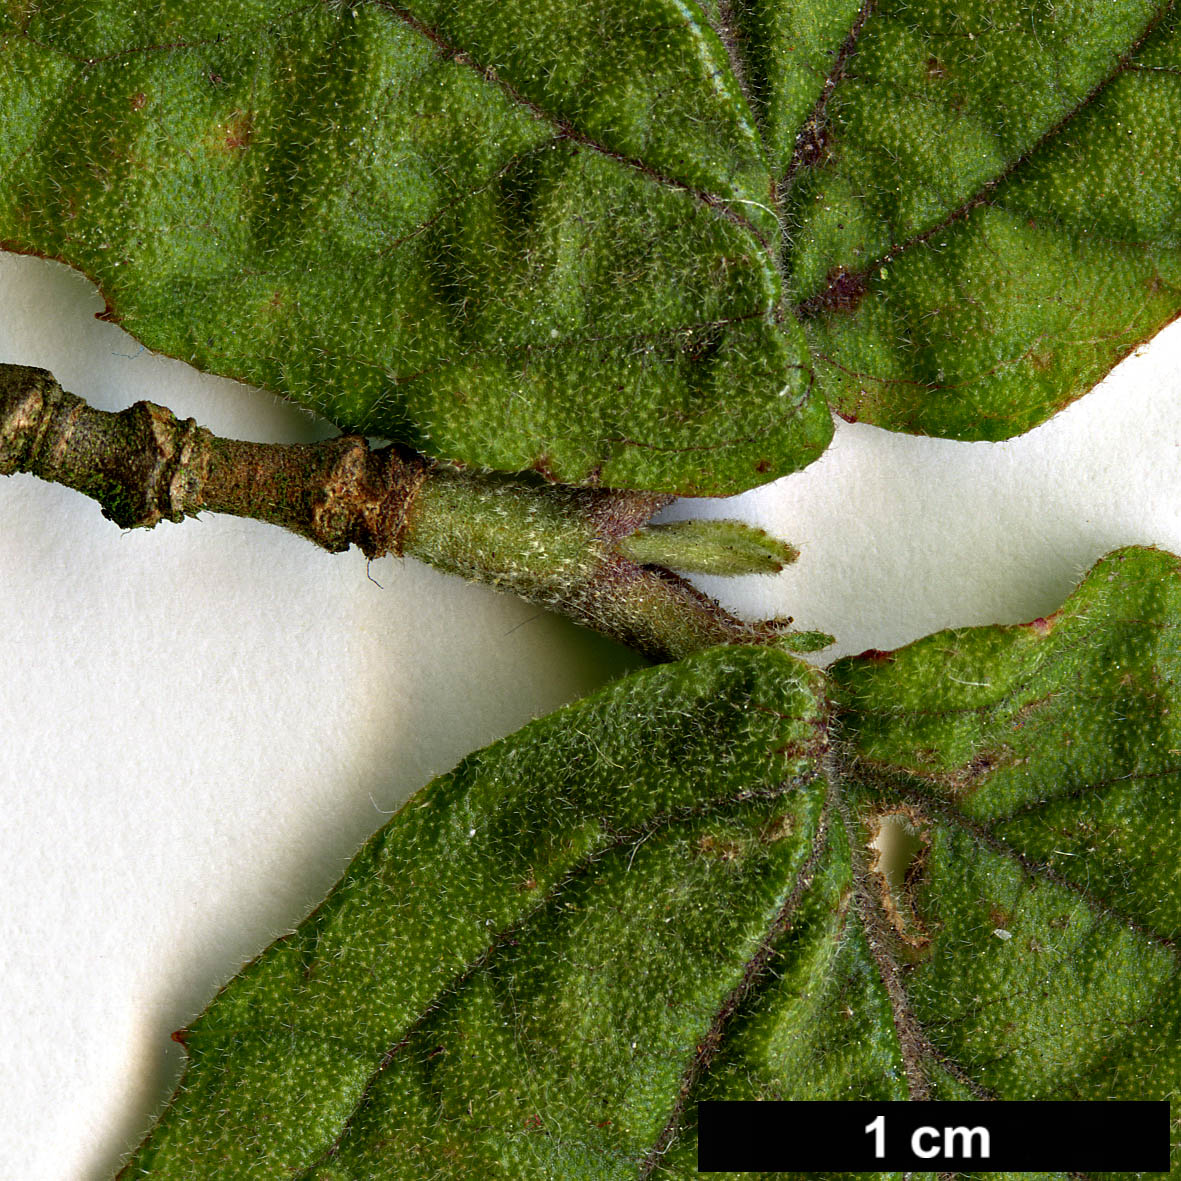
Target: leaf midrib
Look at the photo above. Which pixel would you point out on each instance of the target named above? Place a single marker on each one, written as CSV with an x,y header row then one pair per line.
x,y
916,1047
1124,64
502,937
816,117
754,971
900,786
567,130
910,1032
563,128
985,835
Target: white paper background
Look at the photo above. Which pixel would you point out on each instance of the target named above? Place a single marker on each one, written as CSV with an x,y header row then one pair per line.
x,y
201,723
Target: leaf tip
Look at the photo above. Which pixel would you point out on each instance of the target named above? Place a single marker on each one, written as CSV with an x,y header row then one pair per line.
x,y
718,547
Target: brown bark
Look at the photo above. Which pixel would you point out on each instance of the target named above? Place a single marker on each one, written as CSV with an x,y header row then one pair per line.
x,y
144,465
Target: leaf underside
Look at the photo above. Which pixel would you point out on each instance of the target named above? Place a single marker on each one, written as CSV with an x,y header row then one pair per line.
x,y
644,244
669,892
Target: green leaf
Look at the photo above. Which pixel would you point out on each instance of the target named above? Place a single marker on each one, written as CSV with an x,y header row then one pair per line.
x,y
567,841
988,209
668,892
719,547
513,234
632,244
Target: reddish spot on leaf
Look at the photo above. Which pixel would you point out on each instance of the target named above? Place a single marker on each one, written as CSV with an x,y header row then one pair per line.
x,y
812,145
710,846
139,100
1043,625
238,130
844,293
543,466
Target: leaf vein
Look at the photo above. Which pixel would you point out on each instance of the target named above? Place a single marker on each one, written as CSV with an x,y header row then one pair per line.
x,y
616,839
754,972
567,130
981,196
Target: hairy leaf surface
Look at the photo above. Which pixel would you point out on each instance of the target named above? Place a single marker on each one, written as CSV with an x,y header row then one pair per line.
x,y
671,891
508,233
638,244
993,214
